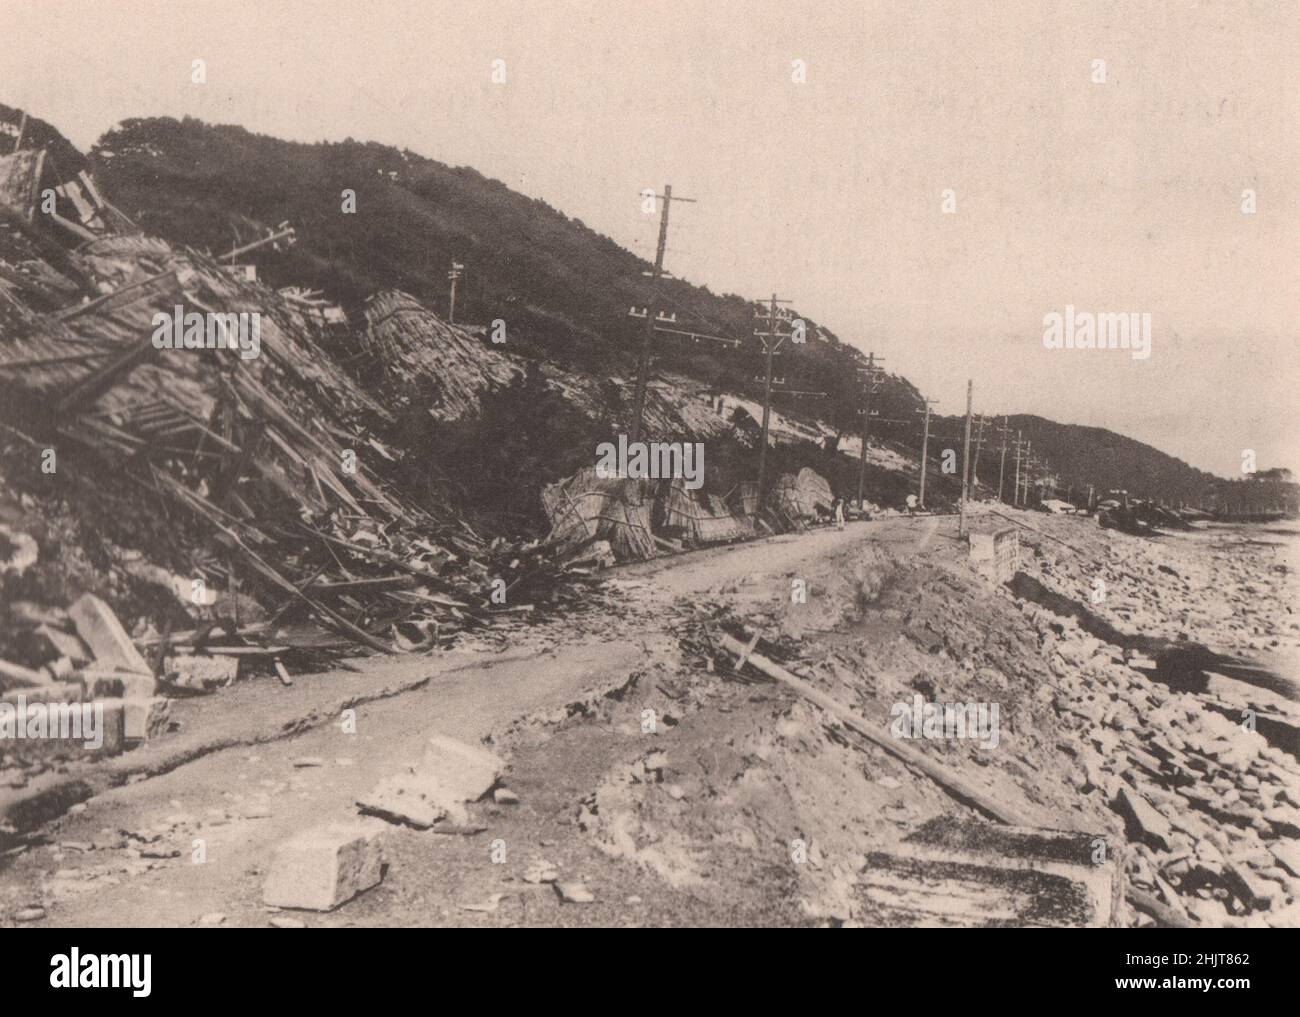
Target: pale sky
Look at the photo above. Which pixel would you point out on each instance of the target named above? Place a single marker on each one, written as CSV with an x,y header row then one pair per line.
x,y
1119,196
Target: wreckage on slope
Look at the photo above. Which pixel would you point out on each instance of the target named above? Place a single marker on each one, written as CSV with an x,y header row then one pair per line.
x,y
274,467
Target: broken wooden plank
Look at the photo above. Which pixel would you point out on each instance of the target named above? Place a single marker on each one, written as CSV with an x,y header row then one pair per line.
x,y
18,673
378,584
206,508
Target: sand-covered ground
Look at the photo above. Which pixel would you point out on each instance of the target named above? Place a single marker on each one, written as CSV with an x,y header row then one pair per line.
x,y
674,790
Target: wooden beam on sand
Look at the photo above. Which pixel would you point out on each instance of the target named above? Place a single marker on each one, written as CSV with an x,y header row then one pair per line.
x,y
953,784
950,782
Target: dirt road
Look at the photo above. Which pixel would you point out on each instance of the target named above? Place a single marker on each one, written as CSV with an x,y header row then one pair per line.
x,y
232,805
740,804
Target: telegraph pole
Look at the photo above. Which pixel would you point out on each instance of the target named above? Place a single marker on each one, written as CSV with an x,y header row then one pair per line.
x,y
871,385
979,444
771,339
965,464
1004,430
643,362
453,275
1020,448
925,448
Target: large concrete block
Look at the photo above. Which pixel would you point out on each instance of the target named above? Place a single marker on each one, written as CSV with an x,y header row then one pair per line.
x,y
146,717
965,873
411,799
324,867
103,633
41,726
450,774
464,772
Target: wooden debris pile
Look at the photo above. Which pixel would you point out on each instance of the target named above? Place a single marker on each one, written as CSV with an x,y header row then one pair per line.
x,y
273,468
699,518
639,519
795,499
586,508
421,353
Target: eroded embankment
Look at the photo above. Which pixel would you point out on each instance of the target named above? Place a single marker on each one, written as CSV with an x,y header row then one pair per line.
x,y
744,792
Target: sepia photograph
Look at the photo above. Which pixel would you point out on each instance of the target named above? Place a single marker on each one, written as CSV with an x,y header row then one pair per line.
x,y
650,464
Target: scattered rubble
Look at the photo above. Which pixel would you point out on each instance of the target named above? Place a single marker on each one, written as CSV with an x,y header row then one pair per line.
x,y
450,774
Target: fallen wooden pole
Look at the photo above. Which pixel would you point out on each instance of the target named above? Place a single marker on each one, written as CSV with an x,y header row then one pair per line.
x,y
955,785
950,782
200,504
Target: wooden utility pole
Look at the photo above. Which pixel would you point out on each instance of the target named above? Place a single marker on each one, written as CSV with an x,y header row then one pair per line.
x,y
1004,430
925,448
1020,449
453,275
965,464
979,445
870,385
22,126
771,339
643,362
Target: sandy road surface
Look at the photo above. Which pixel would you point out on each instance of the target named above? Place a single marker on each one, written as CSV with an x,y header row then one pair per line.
x,y
240,801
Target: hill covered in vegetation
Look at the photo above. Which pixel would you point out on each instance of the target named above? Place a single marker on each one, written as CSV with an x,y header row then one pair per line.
x,y
563,289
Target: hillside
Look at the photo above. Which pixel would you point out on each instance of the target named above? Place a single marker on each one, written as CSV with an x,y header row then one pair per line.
x,y
562,288
1093,455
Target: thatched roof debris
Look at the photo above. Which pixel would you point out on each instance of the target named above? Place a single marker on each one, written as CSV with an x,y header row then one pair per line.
x,y
795,499
421,352
640,518
586,508
276,465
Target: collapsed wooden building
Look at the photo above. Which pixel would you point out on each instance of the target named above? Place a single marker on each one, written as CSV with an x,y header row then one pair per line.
x,y
275,463
269,472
